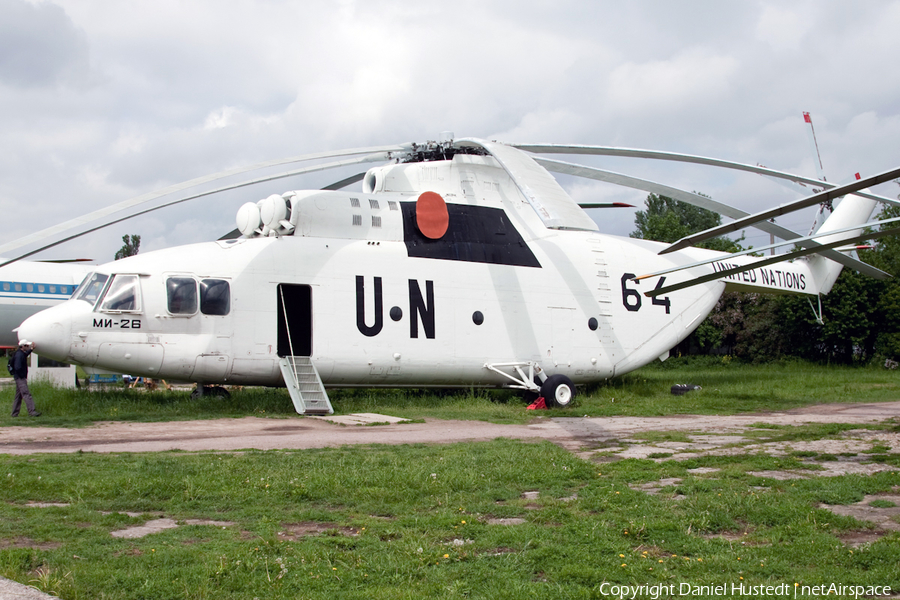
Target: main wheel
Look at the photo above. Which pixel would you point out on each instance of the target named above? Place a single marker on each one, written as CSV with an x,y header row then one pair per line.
x,y
559,391
215,391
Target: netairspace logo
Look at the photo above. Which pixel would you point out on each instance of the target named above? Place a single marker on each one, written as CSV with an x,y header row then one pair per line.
x,y
735,590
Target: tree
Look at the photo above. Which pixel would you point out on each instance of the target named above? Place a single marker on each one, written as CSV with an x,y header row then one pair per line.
x,y
885,338
668,220
131,246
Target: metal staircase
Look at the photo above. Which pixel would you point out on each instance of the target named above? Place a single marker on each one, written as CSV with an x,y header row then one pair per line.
x,y
305,385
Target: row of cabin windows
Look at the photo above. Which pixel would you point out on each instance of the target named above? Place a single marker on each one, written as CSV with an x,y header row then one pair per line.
x,y
123,294
30,287
181,293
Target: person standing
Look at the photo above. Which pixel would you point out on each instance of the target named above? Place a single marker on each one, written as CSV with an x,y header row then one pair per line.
x,y
20,375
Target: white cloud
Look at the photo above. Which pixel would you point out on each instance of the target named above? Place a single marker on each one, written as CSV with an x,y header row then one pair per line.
x,y
220,118
784,26
128,97
697,76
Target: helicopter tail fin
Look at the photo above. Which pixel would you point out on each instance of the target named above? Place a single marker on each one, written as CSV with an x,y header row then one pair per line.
x,y
852,210
813,275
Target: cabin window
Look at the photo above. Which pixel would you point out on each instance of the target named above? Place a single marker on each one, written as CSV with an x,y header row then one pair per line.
x,y
215,297
18,287
181,293
90,288
123,294
6,286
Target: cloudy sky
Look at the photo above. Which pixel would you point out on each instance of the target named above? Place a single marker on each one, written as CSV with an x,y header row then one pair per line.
x,y
101,101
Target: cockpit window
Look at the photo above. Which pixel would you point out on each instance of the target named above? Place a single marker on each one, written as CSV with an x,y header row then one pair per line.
x,y
78,288
182,295
91,287
215,297
123,294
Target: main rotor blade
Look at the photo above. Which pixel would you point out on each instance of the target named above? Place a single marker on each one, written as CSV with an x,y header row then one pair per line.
x,y
144,198
605,205
688,158
707,203
772,246
762,263
338,185
567,168
88,229
824,196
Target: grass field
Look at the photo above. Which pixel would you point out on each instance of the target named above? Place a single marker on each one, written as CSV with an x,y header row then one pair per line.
x,y
422,522
501,519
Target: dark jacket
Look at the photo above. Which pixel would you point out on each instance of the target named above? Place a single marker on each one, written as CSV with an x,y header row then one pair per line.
x,y
20,364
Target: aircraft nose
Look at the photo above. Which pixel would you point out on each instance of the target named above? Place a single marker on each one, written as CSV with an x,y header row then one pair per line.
x,y
50,331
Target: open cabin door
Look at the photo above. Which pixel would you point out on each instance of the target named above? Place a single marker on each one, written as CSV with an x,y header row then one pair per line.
x,y
294,320
295,350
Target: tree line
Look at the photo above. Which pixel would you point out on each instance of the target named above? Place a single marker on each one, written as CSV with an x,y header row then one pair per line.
x,y
861,315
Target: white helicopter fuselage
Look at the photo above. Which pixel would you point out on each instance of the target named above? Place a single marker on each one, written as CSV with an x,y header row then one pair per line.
x,y
414,322
350,280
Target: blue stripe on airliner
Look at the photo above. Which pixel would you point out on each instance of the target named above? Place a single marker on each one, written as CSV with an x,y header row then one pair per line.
x,y
38,290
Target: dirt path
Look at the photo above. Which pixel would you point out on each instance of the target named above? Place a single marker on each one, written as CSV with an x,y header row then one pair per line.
x,y
574,433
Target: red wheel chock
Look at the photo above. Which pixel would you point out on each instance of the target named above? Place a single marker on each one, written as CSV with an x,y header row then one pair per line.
x,y
538,404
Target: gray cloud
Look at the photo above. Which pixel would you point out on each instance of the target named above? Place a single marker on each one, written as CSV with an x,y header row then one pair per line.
x,y
40,46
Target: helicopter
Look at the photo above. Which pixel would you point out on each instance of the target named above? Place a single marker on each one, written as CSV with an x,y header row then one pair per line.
x,y
459,263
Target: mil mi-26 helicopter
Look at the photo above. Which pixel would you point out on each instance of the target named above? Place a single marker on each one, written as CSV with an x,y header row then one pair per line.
x,y
461,262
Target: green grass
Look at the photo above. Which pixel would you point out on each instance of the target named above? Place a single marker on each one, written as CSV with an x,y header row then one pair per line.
x,y
390,516
728,388
412,521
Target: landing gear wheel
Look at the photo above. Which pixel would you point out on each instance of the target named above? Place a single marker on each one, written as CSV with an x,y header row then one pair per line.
x,y
559,391
215,391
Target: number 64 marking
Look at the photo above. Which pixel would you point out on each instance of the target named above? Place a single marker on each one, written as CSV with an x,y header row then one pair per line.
x,y
632,300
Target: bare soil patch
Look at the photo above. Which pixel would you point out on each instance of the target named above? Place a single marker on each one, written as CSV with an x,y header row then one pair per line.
x,y
25,542
157,525
504,520
295,531
883,518
860,537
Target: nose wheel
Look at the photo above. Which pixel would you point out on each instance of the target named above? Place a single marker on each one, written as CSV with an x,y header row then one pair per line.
x,y
558,391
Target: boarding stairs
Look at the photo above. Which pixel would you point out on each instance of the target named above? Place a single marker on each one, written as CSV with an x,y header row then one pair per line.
x,y
306,388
